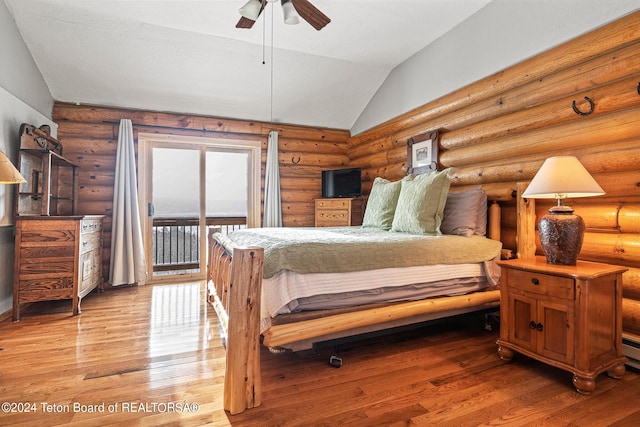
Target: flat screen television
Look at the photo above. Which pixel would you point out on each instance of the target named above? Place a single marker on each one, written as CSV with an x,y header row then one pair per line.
x,y
342,183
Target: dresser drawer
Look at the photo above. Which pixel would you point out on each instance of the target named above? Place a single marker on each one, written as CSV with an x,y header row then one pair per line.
x,y
539,283
56,236
49,288
31,267
90,226
333,216
333,203
89,242
44,254
87,269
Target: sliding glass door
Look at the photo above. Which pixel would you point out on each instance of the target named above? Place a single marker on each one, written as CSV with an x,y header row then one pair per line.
x,y
227,189
174,206
187,186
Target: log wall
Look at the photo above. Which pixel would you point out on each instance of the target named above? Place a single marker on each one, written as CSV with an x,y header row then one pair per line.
x,y
499,130
496,132
89,135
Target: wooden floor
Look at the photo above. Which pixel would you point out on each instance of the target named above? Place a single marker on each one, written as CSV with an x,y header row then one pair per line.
x,y
152,356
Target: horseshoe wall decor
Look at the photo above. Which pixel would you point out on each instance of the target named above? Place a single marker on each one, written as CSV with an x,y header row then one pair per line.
x,y
295,162
584,113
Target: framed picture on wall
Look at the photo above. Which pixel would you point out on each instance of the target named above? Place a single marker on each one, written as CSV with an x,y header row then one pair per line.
x,y
422,153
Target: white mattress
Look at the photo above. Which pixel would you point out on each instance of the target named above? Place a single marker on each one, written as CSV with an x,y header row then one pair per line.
x,y
280,292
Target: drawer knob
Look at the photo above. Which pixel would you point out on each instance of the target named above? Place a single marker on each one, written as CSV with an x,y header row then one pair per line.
x,y
537,326
535,281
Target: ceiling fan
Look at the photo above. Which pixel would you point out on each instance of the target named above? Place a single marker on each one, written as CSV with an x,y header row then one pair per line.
x,y
292,9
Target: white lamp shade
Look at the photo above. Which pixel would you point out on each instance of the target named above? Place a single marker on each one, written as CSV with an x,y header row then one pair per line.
x,y
561,177
251,9
8,173
291,16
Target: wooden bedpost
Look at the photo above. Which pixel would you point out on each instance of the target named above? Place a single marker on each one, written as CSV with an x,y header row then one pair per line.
x,y
242,384
495,218
526,232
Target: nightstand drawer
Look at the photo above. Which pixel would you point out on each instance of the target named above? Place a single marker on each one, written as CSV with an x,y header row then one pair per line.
x,y
560,287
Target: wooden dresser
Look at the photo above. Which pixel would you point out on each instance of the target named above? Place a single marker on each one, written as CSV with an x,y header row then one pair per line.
x,y
56,257
338,212
566,316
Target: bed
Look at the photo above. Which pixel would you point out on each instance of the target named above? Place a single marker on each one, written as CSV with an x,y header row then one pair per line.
x,y
388,273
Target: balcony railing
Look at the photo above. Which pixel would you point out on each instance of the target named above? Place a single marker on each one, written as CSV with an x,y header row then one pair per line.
x,y
176,241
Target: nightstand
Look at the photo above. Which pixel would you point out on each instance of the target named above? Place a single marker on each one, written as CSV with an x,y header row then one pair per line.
x,y
569,317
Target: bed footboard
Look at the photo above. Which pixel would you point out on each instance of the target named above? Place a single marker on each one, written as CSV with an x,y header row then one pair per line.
x,y
234,283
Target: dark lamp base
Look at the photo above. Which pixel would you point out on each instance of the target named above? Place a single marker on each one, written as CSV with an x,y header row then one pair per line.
x,y
561,237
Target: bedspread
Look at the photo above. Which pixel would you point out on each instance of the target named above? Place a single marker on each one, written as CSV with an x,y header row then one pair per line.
x,y
346,249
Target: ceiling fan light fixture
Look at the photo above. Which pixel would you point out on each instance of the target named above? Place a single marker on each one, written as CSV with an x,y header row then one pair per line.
x,y
251,9
291,16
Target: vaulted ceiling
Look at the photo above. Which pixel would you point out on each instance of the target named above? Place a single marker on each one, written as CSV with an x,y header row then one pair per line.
x,y
187,56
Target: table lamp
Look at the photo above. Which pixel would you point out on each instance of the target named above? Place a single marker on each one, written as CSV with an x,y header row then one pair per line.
x,y
561,231
8,173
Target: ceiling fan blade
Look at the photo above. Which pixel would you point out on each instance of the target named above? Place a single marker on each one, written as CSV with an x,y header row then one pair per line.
x,y
248,23
245,22
311,14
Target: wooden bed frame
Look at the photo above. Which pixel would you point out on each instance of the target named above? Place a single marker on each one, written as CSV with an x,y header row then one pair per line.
x,y
234,283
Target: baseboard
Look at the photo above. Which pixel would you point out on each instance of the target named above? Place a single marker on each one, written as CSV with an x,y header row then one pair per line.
x,y
9,313
6,315
631,349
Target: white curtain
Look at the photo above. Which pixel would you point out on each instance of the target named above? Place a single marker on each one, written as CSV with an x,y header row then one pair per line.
x,y
272,208
128,264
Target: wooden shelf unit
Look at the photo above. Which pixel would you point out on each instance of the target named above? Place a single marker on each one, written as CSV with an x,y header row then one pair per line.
x,y
58,254
51,187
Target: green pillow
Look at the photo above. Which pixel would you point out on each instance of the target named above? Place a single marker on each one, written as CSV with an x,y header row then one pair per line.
x,y
421,203
381,204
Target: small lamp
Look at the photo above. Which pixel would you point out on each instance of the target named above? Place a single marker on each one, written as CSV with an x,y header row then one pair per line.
x,y
251,9
8,173
291,16
561,231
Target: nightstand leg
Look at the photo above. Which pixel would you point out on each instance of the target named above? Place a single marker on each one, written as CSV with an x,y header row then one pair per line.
x,y
505,353
584,385
617,371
